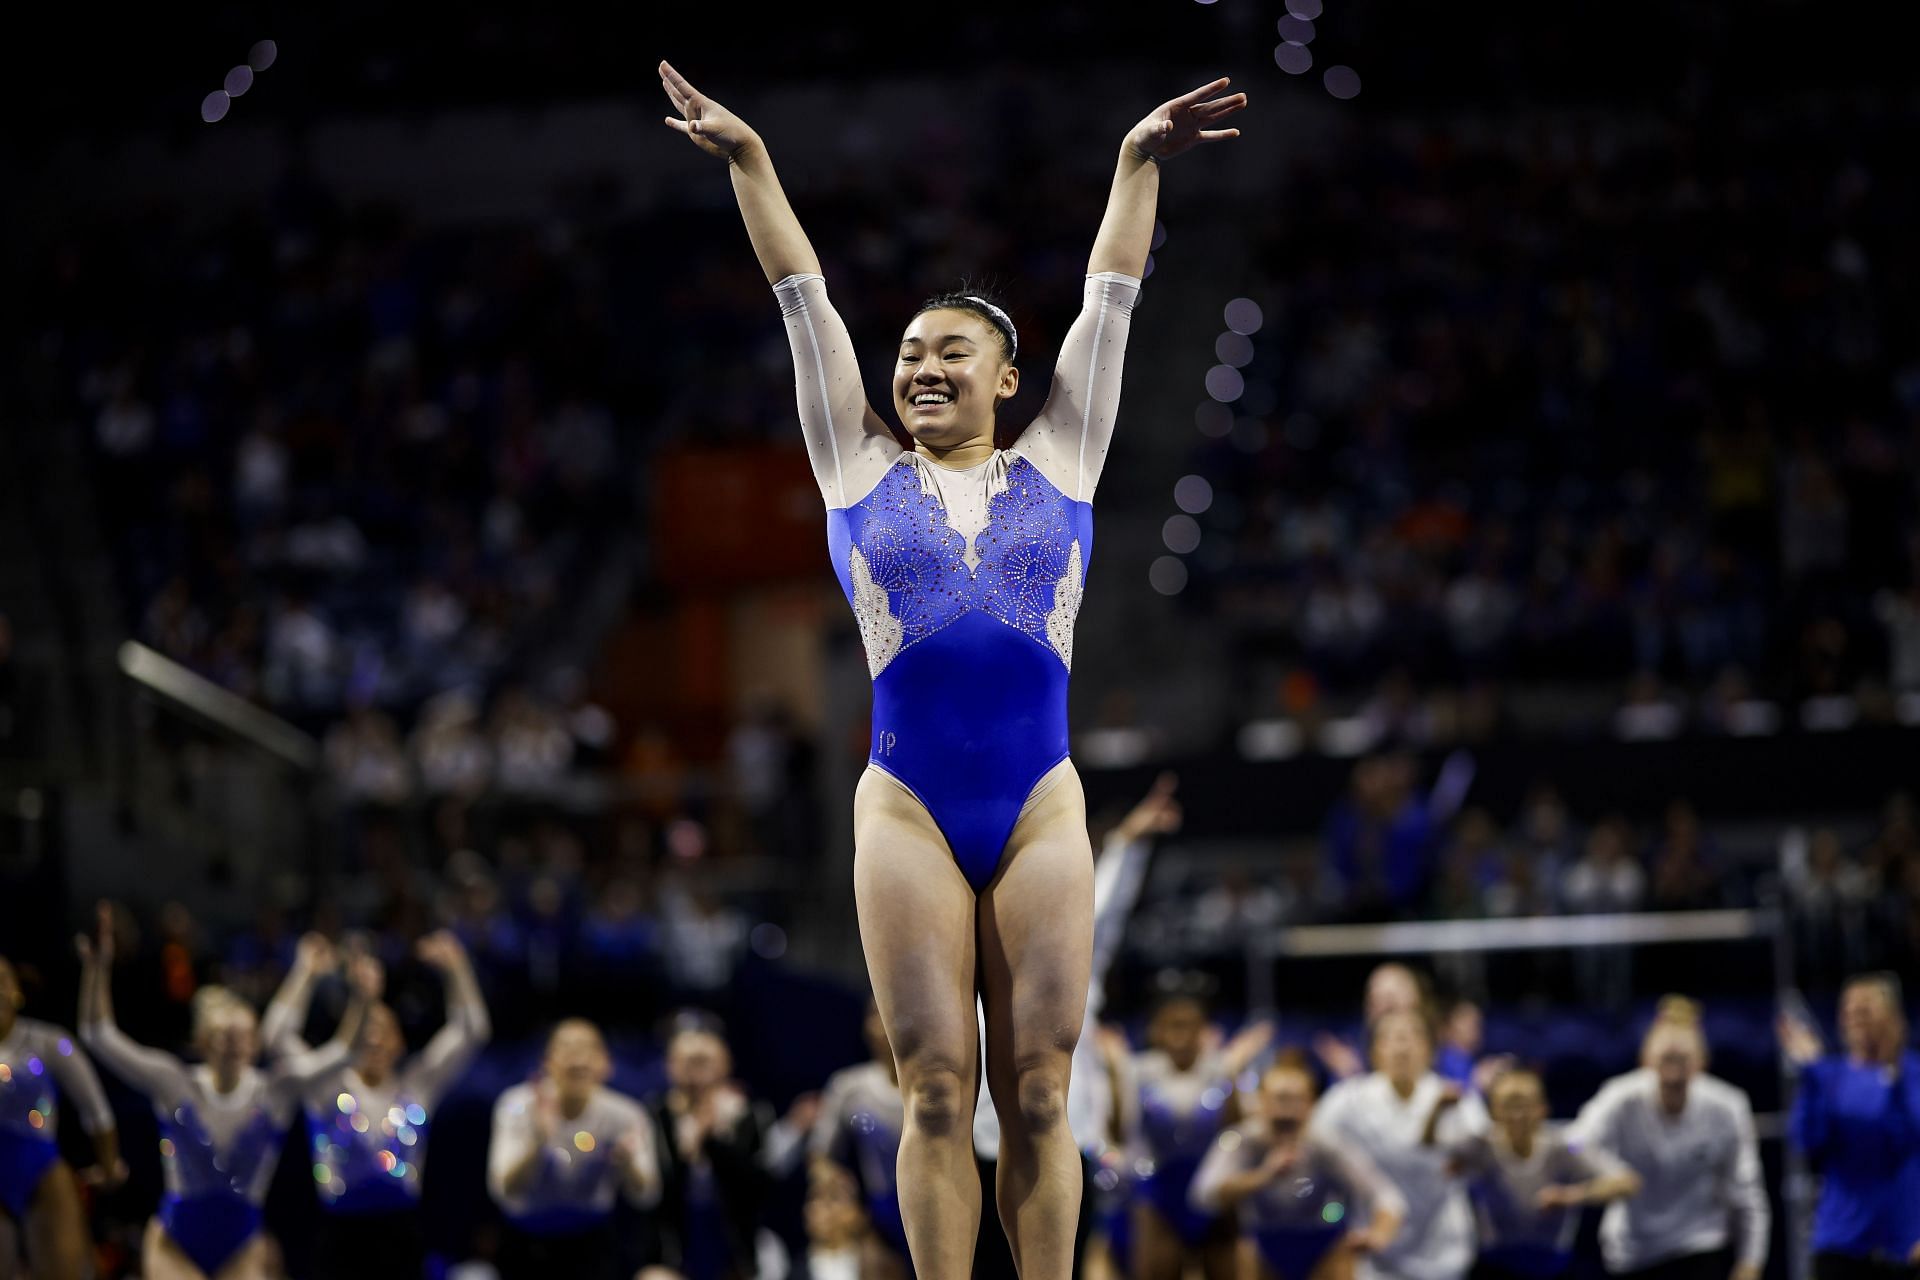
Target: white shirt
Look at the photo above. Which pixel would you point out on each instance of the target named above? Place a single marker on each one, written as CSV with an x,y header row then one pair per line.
x,y
1700,1171
577,1169
1437,1240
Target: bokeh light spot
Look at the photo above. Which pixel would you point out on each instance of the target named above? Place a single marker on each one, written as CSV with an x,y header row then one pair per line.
x,y
1192,494
1342,82
1233,348
1181,534
1243,316
1224,383
1294,59
213,107
1167,575
261,56
239,80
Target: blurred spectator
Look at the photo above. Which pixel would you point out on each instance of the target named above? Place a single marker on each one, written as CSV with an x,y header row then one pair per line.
x,y
13,730
1682,878
1605,879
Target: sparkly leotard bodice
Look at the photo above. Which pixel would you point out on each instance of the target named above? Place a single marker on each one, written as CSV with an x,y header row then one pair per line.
x,y
965,581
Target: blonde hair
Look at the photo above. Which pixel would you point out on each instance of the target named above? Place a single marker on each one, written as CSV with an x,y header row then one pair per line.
x,y
1678,1015
212,1002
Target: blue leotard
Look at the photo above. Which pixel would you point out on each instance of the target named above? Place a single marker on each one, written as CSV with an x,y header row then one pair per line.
x,y
34,1057
861,1116
1304,1212
218,1149
1180,1114
965,582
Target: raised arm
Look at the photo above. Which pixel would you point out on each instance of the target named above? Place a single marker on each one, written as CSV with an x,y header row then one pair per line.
x,y
1126,232
849,445
468,1026
777,239
1069,440
286,1013
80,1087
295,1072
159,1075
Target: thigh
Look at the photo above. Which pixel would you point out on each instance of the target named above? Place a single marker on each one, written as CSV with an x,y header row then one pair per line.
x,y
259,1259
1157,1251
916,927
56,1226
162,1259
1036,932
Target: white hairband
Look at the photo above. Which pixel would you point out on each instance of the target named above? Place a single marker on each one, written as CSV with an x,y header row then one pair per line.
x,y
1013,335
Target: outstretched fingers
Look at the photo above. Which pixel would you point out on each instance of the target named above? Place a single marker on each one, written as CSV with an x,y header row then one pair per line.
x,y
1204,91
1220,106
1218,135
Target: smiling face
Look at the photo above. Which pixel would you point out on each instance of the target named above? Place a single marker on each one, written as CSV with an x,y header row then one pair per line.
x,y
950,374
576,1060
1676,1051
1402,1047
1519,1105
1178,1029
698,1060
1870,1021
381,1043
226,1033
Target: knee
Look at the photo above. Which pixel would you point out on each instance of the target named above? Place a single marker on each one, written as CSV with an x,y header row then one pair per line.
x,y
1041,1096
938,1095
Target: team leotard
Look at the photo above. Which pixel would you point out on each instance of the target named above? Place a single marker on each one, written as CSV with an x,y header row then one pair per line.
x,y
861,1118
217,1150
370,1141
1179,1114
1295,1219
965,581
34,1057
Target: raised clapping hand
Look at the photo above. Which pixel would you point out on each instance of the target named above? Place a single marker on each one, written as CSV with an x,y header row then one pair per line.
x,y
1184,122
97,949
710,126
1800,1042
1157,814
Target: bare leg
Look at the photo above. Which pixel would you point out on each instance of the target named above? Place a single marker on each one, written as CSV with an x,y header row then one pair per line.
x,y
1036,951
9,1249
1219,1255
162,1259
258,1259
916,926
57,1244
1158,1253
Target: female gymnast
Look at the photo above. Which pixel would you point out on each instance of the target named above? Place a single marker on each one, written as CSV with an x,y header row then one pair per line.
x,y
1384,1116
1182,1087
1689,1137
564,1149
1856,1116
1528,1180
964,563
1299,1196
370,1118
221,1123
857,1136
36,1188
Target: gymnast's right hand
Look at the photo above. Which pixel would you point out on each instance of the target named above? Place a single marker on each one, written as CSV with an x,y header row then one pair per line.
x,y
713,128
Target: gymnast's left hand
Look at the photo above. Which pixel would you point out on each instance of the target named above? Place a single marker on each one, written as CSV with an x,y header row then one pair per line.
x,y
1185,122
